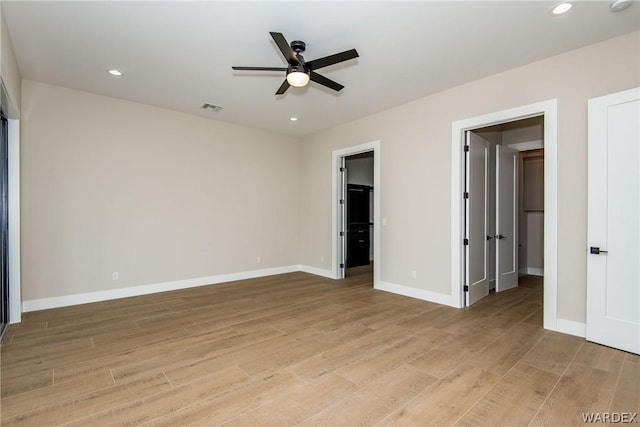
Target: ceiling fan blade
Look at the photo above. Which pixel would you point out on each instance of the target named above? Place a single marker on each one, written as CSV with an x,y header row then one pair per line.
x,y
259,68
325,81
284,47
332,59
283,88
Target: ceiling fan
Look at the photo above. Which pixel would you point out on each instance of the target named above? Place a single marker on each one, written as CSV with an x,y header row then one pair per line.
x,y
299,71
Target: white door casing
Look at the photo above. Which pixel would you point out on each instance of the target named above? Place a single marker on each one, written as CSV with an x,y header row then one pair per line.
x,y
477,185
549,110
337,155
342,219
613,231
506,218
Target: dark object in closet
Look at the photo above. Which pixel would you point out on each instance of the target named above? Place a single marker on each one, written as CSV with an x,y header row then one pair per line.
x,y
358,224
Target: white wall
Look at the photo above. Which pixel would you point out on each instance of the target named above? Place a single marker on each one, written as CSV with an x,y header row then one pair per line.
x,y
360,171
415,166
9,71
155,195
532,212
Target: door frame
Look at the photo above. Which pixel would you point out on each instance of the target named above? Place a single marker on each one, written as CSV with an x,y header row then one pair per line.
x,y
335,195
549,110
13,116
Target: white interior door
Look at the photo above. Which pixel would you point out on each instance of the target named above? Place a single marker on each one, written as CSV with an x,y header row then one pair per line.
x,y
613,258
506,218
476,197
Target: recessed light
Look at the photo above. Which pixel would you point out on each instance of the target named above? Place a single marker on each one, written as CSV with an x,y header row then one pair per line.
x,y
293,119
618,5
114,72
562,8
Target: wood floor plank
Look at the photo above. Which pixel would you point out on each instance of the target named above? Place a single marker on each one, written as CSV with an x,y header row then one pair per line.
x,y
139,411
208,345
510,316
627,394
18,354
104,358
267,365
553,352
52,395
446,401
444,358
83,406
377,363
600,357
580,390
231,405
513,401
373,402
328,361
535,318
31,380
507,350
298,404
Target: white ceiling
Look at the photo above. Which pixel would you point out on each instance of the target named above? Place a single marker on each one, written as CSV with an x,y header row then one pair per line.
x,y
178,55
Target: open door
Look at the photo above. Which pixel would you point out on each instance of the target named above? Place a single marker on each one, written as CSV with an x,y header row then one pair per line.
x,y
342,218
613,229
506,218
476,202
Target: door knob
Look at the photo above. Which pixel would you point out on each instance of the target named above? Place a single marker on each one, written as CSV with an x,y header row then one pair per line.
x,y
597,251
500,236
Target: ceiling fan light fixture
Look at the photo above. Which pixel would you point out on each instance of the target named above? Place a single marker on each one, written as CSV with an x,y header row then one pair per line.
x,y
298,78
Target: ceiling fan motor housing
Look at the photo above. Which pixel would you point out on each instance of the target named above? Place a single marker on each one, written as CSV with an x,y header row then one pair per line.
x,y
298,46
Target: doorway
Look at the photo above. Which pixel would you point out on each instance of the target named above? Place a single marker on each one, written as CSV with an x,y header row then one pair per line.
x,y
548,110
359,210
504,206
365,226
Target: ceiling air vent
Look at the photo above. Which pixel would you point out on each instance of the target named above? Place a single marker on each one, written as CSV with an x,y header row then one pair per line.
x,y
211,107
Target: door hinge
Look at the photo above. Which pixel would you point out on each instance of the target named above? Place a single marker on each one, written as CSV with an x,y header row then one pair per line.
x,y
341,233
466,148
465,242
465,195
341,265
466,288
343,169
342,201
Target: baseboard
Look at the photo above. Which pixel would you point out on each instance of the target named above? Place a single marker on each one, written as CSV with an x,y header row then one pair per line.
x,y
85,298
317,271
571,327
417,293
532,271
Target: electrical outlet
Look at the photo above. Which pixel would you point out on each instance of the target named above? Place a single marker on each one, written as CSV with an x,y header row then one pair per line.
x,y
258,259
114,275
322,258
414,274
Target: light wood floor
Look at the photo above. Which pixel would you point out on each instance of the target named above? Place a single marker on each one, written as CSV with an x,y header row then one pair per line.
x,y
296,349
